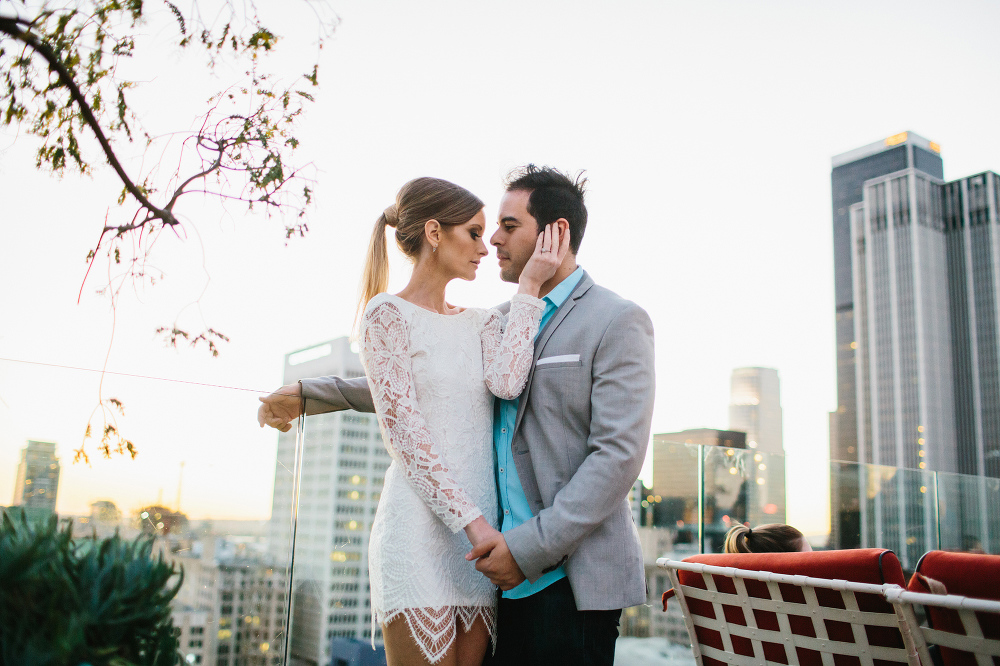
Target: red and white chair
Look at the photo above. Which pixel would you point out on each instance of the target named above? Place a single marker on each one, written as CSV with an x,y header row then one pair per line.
x,y
801,609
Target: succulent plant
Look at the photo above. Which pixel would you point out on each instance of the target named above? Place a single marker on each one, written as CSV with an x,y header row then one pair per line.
x,y
68,602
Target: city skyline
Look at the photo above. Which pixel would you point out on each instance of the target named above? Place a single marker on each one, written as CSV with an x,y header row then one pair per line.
x,y
708,151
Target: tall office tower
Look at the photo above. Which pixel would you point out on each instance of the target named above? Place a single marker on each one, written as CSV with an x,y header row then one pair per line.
x,y
755,408
971,210
37,483
926,358
850,172
343,468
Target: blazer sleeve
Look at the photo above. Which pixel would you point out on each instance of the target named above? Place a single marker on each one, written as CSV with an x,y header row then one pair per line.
x,y
335,394
621,403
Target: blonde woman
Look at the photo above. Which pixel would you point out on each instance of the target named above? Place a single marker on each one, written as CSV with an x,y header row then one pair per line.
x,y
433,369
773,538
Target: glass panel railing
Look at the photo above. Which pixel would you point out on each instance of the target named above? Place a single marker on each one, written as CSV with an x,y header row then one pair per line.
x,y
344,463
886,507
226,499
200,485
968,510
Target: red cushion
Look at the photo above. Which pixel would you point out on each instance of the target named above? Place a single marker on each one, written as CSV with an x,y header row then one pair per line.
x,y
863,565
967,574
874,565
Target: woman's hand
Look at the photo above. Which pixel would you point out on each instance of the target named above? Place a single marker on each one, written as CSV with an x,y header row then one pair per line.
x,y
479,531
550,250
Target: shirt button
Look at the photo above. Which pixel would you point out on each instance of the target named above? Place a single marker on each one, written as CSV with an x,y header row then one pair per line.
x,y
501,470
506,513
503,430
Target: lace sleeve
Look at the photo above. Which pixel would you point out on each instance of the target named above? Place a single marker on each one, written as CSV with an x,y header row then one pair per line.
x,y
386,358
507,353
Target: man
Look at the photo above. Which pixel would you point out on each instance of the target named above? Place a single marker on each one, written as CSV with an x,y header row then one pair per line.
x,y
567,450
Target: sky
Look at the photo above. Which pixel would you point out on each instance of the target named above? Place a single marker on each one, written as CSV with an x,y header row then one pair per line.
x,y
706,131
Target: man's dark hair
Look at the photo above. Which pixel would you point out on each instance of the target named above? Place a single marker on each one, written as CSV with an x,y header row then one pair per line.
x,y
553,194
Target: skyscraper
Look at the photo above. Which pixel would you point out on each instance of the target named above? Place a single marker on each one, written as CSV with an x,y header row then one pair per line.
x,y
924,349
755,408
344,463
850,172
37,483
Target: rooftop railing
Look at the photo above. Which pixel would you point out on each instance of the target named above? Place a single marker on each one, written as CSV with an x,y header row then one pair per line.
x,y
272,530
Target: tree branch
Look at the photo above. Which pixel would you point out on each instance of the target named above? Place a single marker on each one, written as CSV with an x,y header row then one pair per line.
x,y
11,28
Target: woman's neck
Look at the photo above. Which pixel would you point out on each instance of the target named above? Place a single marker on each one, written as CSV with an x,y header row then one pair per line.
x,y
426,289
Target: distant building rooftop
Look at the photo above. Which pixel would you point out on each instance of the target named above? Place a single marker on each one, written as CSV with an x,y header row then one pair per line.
x,y
885,144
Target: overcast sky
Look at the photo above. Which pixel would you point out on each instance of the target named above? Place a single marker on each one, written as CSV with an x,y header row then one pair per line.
x,y
706,129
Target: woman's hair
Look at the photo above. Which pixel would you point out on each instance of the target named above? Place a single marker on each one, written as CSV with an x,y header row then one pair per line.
x,y
419,200
774,538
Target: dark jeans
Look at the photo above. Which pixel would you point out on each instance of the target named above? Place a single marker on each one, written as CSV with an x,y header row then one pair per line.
x,y
546,628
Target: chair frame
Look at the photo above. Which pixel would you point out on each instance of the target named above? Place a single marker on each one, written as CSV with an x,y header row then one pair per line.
x,y
822,643
918,637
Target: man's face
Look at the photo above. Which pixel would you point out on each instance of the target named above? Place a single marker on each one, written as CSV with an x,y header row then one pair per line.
x,y
516,237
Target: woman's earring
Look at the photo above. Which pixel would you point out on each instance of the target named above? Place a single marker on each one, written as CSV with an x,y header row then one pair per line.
x,y
434,249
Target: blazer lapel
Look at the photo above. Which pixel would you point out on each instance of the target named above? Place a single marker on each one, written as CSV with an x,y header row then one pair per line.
x,y
586,282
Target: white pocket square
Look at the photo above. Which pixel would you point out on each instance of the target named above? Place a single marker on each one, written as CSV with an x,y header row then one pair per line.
x,y
566,358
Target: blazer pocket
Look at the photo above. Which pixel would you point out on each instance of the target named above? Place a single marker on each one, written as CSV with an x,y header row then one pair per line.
x,y
563,361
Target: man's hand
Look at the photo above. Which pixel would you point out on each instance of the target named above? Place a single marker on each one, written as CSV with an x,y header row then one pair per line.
x,y
281,407
493,560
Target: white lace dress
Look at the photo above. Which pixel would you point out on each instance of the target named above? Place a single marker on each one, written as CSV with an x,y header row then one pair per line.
x,y
433,378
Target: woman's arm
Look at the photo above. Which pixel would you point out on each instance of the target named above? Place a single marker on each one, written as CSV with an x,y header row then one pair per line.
x,y
386,357
507,354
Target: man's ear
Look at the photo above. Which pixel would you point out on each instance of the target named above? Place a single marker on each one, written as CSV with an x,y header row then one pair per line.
x,y
563,225
432,232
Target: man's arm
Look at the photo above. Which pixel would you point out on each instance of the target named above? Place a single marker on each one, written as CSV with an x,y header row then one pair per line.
x,y
334,394
322,395
621,414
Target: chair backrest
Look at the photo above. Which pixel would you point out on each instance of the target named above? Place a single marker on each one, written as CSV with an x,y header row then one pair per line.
x,y
966,574
963,574
971,636
791,612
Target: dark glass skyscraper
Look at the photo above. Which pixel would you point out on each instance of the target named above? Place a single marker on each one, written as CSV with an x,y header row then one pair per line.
x,y
850,171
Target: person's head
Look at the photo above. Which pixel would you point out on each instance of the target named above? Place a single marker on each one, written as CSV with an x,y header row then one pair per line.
x,y
536,197
435,221
774,538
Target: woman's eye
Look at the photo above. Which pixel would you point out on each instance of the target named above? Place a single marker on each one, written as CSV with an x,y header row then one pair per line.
x,y
475,236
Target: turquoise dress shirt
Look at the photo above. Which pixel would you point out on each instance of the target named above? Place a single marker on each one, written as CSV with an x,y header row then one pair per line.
x,y
513,502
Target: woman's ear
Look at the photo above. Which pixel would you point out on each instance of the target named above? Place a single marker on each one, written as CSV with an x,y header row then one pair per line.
x,y
432,232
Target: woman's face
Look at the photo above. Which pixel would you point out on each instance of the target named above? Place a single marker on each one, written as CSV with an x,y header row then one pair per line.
x,y
462,247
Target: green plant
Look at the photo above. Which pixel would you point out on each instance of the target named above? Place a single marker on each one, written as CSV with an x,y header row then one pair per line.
x,y
66,602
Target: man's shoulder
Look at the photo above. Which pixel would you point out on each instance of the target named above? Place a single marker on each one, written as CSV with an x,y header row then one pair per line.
x,y
610,304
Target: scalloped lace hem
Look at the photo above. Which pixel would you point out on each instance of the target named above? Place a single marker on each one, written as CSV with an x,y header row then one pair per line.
x,y
435,629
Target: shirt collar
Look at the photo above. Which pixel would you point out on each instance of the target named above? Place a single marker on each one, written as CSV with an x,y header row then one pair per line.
x,y
562,290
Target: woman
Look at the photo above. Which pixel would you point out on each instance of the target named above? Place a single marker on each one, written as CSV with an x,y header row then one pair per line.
x,y
773,538
433,369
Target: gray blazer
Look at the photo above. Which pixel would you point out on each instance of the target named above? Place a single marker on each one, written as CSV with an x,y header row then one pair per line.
x,y
579,443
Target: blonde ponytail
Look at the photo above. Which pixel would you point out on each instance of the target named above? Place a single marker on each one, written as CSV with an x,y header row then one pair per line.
x,y
375,278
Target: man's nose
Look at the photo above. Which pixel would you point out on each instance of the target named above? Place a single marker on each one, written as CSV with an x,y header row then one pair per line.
x,y
494,239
